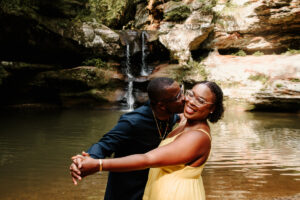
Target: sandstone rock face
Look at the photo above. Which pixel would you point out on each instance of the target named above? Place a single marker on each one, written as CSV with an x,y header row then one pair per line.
x,y
256,25
268,82
96,37
181,39
60,35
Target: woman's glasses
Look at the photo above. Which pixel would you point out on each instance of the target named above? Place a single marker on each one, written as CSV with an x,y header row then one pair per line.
x,y
197,101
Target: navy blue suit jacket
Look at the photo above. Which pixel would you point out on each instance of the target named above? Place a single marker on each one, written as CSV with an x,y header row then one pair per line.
x,y
135,133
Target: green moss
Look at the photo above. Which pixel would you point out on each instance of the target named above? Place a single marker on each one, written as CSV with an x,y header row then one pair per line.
x,y
279,85
296,80
3,74
258,53
19,7
200,68
291,52
178,14
240,53
108,12
207,6
97,62
259,77
232,84
192,68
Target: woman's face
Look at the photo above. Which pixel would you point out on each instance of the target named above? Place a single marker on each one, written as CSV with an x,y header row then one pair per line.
x,y
199,103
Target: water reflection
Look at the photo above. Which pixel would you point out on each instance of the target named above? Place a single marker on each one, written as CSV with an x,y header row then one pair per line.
x,y
254,155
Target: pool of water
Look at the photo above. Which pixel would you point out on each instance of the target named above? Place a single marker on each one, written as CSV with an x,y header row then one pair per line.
x,y
254,155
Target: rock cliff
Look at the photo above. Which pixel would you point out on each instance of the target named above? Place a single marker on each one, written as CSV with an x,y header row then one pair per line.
x,y
250,47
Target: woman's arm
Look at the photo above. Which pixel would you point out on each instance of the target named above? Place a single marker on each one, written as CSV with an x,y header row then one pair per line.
x,y
184,149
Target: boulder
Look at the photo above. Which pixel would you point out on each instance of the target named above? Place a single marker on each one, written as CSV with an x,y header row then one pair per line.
x,y
181,39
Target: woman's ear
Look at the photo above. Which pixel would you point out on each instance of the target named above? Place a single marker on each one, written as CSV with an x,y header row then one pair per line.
x,y
212,109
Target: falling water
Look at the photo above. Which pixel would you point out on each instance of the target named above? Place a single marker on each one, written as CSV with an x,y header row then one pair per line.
x,y
129,95
128,70
145,70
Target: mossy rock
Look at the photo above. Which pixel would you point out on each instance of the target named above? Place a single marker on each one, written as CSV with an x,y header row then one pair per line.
x,y
79,78
112,13
176,11
3,74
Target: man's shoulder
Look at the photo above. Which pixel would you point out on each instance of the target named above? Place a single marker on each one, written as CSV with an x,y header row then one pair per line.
x,y
141,113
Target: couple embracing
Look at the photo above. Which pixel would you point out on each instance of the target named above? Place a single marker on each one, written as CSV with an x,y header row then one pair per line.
x,y
145,138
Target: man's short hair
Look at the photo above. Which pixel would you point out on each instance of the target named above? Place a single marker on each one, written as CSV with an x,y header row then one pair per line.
x,y
157,87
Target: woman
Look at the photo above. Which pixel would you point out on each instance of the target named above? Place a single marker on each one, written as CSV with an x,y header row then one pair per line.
x,y
178,162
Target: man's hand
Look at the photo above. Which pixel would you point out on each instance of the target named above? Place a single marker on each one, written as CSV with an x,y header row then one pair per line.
x,y
76,165
86,165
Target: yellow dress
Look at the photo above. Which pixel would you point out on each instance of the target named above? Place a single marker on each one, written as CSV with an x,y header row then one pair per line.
x,y
177,182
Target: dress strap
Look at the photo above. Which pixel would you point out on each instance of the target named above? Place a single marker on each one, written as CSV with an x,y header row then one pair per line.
x,y
200,129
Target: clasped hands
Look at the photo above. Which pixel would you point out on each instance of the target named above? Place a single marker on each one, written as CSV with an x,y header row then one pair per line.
x,y
82,165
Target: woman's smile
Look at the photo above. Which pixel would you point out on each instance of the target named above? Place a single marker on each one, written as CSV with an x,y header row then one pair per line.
x,y
189,109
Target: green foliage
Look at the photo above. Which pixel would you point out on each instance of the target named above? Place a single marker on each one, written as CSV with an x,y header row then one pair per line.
x,y
3,74
296,80
240,53
291,52
97,62
108,12
19,6
207,6
259,77
258,53
198,68
278,85
178,14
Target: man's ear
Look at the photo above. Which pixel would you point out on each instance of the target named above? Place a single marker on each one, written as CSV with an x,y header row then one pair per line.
x,y
161,106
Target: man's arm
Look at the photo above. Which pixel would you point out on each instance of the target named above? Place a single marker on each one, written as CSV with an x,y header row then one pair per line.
x,y
107,145
198,144
112,140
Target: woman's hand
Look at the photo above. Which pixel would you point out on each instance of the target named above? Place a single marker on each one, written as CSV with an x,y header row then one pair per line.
x,y
87,165
81,166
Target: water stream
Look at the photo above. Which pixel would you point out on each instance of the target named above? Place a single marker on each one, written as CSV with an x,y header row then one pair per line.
x,y
129,94
144,68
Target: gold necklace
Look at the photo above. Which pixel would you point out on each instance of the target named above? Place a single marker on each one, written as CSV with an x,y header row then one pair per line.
x,y
160,136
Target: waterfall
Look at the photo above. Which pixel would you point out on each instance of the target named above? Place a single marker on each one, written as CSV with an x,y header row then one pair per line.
x,y
145,70
129,94
135,43
128,70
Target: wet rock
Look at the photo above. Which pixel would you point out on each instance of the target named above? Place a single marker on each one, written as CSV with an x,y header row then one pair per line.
x,y
79,78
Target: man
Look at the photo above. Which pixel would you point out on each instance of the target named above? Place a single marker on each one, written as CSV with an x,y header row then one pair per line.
x,y
137,132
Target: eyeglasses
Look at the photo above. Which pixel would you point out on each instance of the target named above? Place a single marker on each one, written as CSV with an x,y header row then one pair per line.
x,y
178,96
197,101
181,92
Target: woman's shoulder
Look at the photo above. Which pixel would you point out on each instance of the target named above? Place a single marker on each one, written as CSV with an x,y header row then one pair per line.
x,y
201,132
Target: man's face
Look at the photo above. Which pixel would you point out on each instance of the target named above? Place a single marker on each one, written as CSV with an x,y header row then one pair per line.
x,y
174,98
